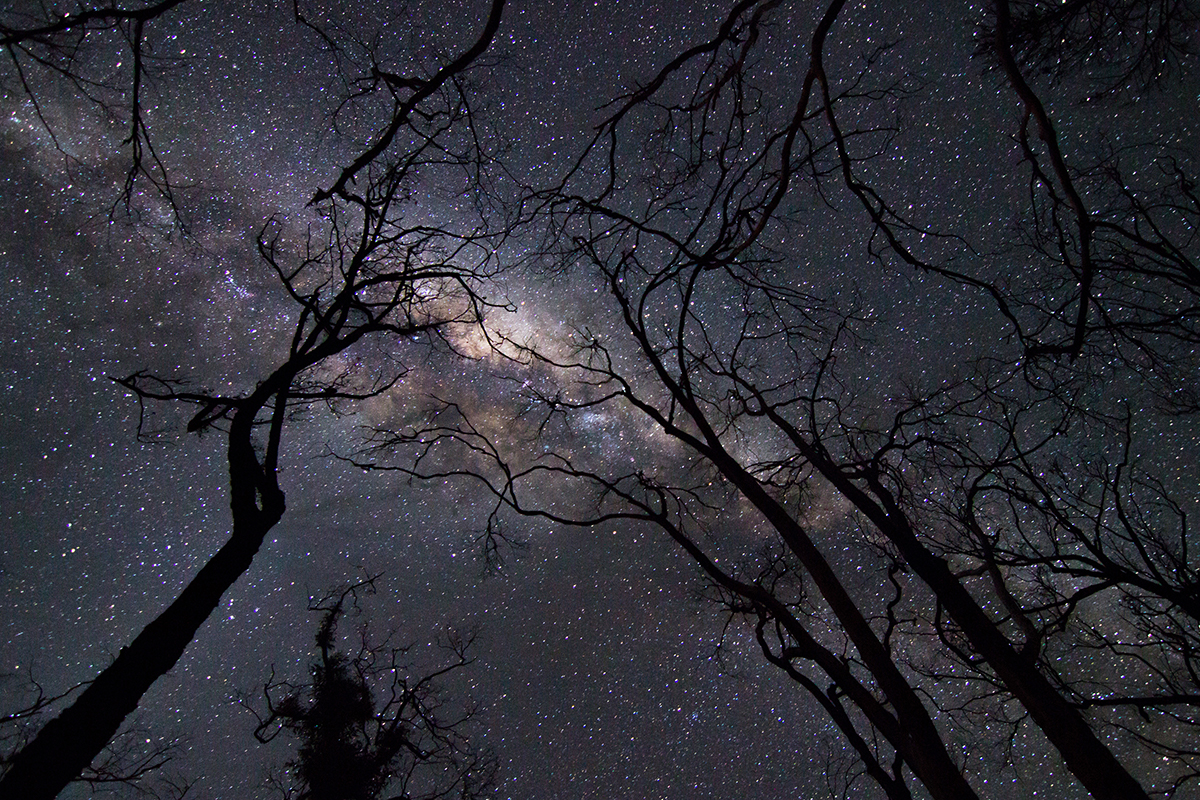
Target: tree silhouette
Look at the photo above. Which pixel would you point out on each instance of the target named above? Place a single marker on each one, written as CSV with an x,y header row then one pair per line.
x,y
132,758
362,275
999,557
355,742
989,545
44,45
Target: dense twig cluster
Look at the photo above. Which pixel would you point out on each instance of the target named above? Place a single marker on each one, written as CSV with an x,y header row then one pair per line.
x,y
1030,570
366,724
981,552
363,274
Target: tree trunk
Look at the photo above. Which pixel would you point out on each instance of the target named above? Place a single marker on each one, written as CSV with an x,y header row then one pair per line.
x,y
920,742
69,743
1085,755
1088,759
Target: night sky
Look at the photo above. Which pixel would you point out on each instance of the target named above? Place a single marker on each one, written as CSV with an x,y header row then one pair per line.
x,y
597,669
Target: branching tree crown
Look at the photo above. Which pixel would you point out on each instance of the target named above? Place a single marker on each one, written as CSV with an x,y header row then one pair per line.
x,y
363,283
997,553
992,548
366,724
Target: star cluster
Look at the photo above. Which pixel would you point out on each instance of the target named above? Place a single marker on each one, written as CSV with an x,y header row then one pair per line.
x,y
599,670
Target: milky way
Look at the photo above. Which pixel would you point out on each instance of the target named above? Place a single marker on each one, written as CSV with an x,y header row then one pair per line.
x,y
598,672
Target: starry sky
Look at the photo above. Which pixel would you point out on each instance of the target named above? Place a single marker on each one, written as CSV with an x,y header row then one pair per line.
x,y
599,672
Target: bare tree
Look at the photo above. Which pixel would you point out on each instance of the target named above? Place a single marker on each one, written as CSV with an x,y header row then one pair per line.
x,y
361,282
994,556
923,557
367,726
44,45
